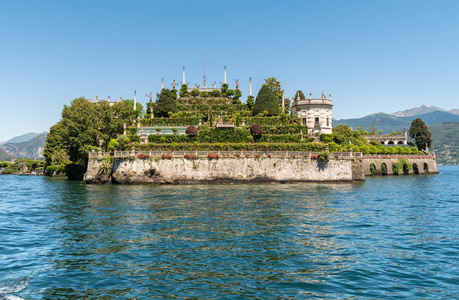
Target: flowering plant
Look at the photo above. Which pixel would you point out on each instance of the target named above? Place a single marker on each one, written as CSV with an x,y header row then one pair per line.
x,y
190,156
166,156
213,156
143,156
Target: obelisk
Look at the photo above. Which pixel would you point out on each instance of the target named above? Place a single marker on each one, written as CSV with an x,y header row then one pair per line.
x,y
183,80
283,102
224,77
135,101
250,87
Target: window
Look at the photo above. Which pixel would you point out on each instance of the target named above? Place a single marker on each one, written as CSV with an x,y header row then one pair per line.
x,y
304,121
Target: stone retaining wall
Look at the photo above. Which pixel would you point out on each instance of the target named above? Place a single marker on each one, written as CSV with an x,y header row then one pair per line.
x,y
425,163
222,170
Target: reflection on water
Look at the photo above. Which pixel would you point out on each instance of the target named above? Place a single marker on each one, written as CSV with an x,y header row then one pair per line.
x,y
388,237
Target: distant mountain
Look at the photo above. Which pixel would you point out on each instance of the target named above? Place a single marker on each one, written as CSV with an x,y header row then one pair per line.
x,y
22,138
388,123
4,156
445,142
30,149
421,111
417,111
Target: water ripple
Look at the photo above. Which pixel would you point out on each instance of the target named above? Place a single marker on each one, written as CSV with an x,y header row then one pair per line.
x,y
390,237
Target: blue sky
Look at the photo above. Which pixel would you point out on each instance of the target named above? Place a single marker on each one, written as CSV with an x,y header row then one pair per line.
x,y
372,56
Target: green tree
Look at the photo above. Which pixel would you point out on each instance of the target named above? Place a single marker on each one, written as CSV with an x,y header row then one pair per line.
x,y
174,93
84,124
183,90
237,94
421,134
229,93
373,128
54,141
266,101
250,102
165,103
276,88
301,95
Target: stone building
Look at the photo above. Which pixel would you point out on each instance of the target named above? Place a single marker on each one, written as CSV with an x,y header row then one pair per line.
x,y
315,113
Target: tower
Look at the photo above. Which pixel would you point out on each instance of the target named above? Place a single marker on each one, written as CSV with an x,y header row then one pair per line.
x,y
250,87
224,77
135,101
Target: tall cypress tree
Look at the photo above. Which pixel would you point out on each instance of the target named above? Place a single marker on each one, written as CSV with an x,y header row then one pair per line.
x,y
266,100
165,103
421,134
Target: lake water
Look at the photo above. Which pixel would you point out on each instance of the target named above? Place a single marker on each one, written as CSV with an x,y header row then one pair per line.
x,y
390,237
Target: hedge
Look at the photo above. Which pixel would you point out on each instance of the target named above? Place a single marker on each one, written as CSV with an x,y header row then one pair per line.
x,y
234,146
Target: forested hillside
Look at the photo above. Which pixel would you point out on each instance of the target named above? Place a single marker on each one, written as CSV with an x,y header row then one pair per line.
x,y
445,142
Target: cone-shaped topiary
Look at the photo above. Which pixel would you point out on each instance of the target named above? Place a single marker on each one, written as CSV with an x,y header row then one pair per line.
x,y
266,101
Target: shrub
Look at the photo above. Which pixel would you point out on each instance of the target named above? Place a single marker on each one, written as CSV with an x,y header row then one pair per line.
x,y
216,93
323,156
256,129
195,93
326,138
191,130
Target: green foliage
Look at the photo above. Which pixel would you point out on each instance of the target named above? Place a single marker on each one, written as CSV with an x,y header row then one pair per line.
x,y
224,89
323,156
55,168
113,144
84,124
401,165
421,134
216,93
229,93
54,142
195,93
266,101
165,103
275,86
105,166
342,135
250,102
4,164
174,93
237,94
373,128
183,90
399,150
326,138
372,169
59,156
300,92
333,147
